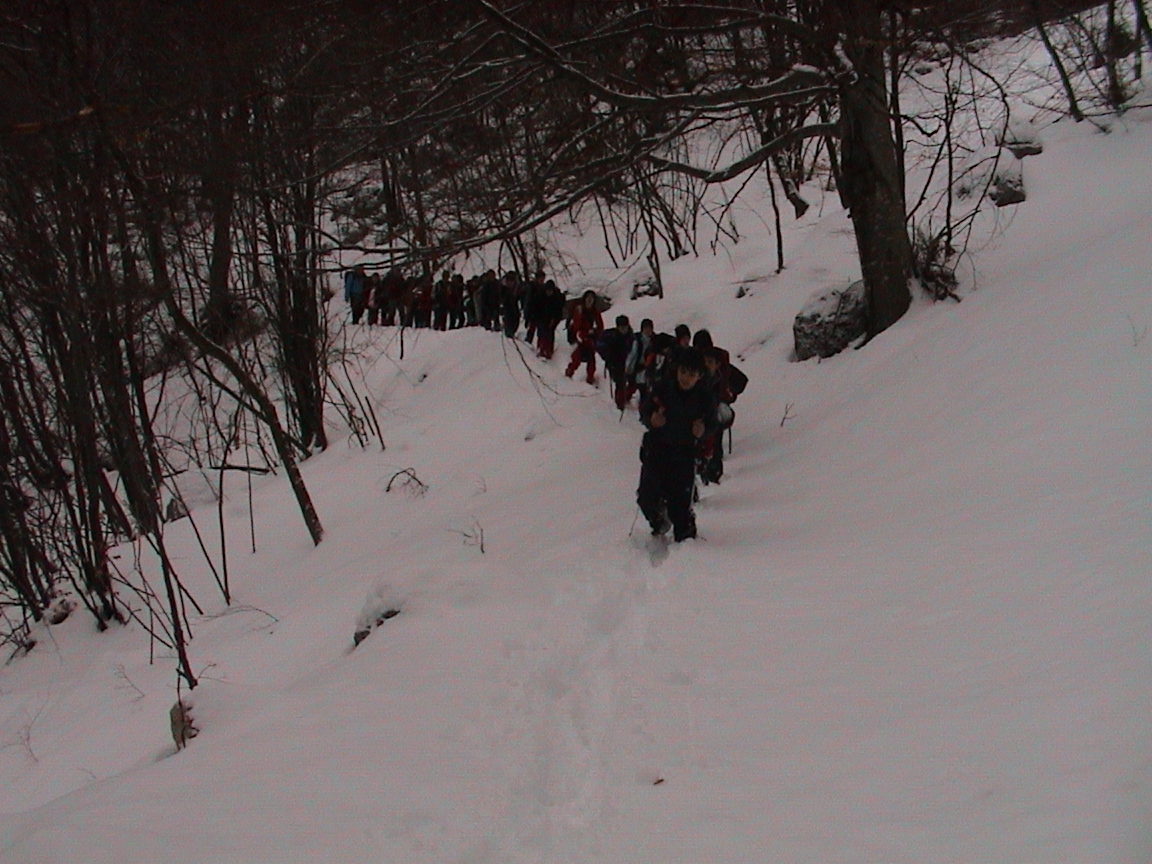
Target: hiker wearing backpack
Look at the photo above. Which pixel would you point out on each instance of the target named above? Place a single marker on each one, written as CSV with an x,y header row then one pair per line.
x,y
635,373
489,301
710,453
356,291
510,303
678,413
614,346
584,330
456,299
440,302
727,382
373,294
550,303
658,360
530,304
390,296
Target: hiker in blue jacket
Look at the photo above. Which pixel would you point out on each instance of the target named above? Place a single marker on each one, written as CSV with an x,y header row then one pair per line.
x,y
356,291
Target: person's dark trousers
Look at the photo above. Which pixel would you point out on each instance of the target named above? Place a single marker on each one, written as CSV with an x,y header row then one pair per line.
x,y
624,391
619,384
359,303
546,341
666,483
511,325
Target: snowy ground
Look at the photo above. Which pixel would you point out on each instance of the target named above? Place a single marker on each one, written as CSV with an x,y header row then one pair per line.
x,y
916,628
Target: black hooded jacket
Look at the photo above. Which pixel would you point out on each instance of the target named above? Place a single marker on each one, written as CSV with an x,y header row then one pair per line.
x,y
681,409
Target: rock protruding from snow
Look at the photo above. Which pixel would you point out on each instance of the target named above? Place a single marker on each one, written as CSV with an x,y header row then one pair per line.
x,y
176,509
60,609
383,603
1022,140
646,285
830,321
1008,184
362,632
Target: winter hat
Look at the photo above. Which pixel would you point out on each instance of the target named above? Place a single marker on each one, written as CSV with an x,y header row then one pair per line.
x,y
689,358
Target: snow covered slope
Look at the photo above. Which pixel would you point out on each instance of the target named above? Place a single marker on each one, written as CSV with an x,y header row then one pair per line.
x,y
916,629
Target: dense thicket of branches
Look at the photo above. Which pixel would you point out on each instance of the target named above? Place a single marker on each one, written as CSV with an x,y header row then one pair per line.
x,y
176,178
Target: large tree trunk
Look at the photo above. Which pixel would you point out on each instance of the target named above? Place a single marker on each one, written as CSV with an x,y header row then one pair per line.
x,y
870,176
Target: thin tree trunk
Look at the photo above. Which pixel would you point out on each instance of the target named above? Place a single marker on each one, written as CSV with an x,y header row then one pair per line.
x,y
653,251
1065,81
776,216
833,158
894,62
1143,28
1116,96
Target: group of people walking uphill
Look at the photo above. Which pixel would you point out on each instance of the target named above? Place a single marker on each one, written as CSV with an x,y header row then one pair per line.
x,y
686,388
499,304
686,385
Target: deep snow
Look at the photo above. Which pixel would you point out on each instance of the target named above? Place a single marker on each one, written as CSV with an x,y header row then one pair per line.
x,y
916,629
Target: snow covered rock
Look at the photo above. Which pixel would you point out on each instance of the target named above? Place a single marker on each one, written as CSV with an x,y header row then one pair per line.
x,y
176,509
363,631
646,285
830,321
383,603
1022,140
60,609
1008,184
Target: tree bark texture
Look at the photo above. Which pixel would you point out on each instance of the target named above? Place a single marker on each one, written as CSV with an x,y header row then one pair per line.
x,y
869,170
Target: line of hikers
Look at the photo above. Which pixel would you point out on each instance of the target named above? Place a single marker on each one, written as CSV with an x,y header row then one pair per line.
x,y
686,384
450,302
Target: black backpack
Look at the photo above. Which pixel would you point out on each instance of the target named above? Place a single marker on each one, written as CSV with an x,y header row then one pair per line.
x,y
737,381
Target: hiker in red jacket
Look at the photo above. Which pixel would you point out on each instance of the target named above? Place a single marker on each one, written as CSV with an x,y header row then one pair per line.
x,y
585,329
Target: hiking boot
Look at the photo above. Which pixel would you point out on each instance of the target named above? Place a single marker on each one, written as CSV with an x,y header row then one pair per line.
x,y
685,532
661,528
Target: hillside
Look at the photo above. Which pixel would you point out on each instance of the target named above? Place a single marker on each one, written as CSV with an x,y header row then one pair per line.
x,y
916,627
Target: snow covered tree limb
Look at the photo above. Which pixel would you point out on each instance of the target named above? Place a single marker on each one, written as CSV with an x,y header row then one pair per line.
x,y
752,160
798,83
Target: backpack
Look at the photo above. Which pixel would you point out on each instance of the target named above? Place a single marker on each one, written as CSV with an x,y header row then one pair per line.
x,y
737,381
603,344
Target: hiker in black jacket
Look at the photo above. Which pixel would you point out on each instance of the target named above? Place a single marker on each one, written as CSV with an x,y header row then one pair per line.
x,y
549,303
614,345
510,303
678,412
